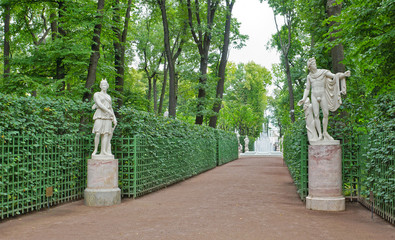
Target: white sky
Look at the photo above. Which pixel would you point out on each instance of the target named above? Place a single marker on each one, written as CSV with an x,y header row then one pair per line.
x,y
258,23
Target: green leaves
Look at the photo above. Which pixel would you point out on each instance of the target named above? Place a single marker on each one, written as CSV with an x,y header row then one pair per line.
x,y
245,98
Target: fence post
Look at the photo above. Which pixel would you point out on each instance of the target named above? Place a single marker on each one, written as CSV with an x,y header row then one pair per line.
x,y
303,168
218,148
134,166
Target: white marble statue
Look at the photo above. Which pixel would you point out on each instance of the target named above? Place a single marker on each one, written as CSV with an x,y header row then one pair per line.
x,y
104,118
325,93
246,142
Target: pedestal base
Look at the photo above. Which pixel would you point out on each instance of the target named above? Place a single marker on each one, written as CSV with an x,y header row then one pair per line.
x,y
102,197
102,185
334,204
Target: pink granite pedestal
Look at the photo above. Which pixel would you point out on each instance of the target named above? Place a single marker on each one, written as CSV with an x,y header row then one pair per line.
x,y
325,177
102,189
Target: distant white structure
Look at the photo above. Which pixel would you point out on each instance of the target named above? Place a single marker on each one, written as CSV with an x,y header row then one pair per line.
x,y
265,144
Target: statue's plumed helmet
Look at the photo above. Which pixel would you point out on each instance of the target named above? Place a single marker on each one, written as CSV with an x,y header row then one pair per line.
x,y
104,81
310,61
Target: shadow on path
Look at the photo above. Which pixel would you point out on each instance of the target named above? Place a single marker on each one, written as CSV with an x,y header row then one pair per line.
x,y
248,199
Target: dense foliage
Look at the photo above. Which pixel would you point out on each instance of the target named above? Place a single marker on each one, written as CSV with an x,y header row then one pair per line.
x,y
245,100
53,48
31,116
380,161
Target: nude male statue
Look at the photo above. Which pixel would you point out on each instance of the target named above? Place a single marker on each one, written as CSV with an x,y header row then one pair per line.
x,y
325,93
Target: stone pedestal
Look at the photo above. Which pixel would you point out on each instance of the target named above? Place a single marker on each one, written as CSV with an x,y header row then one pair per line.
x,y
325,177
102,189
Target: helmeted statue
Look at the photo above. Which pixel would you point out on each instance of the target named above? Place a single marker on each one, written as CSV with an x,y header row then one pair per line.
x,y
104,118
325,93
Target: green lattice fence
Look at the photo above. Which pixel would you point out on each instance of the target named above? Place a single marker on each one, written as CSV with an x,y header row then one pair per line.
x,y
303,188
350,167
161,162
124,149
295,157
377,174
32,165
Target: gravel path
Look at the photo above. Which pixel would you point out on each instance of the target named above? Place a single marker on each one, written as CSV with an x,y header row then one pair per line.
x,y
248,199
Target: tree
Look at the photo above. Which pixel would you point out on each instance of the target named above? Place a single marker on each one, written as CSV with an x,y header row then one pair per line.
x,y
7,17
222,65
201,33
286,9
95,55
120,46
245,101
171,54
150,50
337,52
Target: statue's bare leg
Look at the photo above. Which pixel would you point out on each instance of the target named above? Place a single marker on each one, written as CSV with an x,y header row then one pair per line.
x,y
97,139
104,144
316,113
325,113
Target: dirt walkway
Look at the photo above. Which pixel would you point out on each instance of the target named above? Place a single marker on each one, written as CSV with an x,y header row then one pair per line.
x,y
248,199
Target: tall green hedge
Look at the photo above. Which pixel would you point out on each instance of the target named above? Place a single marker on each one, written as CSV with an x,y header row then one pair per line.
x,y
31,116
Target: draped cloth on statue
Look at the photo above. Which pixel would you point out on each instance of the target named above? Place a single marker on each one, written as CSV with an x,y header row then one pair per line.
x,y
332,88
332,93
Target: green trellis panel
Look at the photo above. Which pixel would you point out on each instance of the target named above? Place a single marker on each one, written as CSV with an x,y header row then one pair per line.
x,y
377,174
31,164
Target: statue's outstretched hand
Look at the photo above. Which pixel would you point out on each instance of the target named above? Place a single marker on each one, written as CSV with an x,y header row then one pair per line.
x,y
347,73
301,102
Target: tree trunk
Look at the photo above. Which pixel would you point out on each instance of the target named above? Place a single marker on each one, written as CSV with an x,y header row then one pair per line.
x,y
60,32
155,93
117,41
202,90
149,94
119,48
290,90
203,41
7,17
162,95
170,62
285,47
337,52
54,26
222,66
95,55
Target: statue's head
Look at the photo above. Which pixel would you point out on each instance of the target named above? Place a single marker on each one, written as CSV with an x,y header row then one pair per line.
x,y
310,62
104,84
